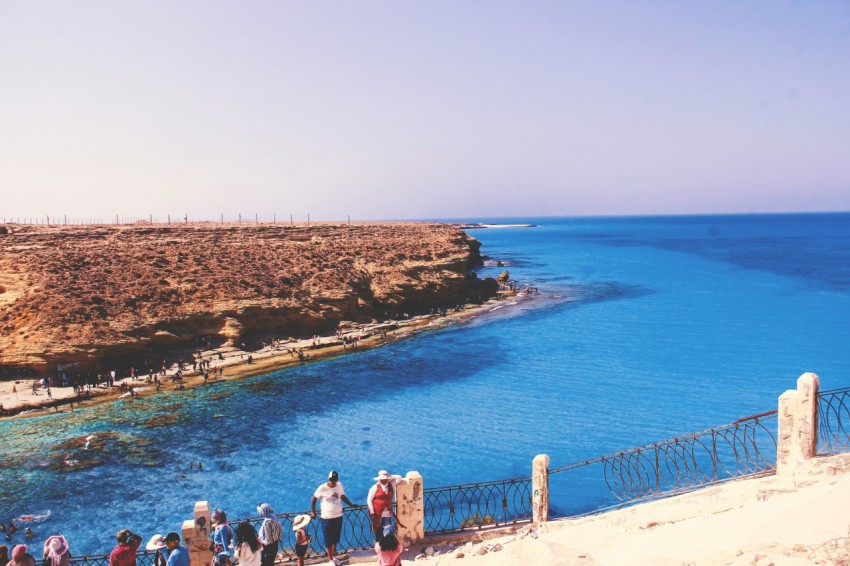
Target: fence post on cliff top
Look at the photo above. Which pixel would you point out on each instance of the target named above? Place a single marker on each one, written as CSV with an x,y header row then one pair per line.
x,y
196,534
797,437
540,488
410,508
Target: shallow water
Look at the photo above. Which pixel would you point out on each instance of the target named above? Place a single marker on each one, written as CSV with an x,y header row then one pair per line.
x,y
645,328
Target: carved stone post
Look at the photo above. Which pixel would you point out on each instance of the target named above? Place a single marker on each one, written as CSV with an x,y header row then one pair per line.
x,y
196,535
410,507
798,424
540,488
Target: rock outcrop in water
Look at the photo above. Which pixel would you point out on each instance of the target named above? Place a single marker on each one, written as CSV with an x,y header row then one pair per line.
x,y
87,295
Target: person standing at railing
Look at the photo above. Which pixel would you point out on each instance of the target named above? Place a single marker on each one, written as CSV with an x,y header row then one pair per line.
x,y
178,555
380,502
20,557
331,495
157,544
302,539
249,549
124,554
270,533
222,539
56,552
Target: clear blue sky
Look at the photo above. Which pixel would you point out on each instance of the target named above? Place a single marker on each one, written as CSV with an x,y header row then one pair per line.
x,y
390,110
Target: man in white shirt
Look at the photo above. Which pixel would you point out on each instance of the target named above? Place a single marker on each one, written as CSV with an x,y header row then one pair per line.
x,y
380,502
331,495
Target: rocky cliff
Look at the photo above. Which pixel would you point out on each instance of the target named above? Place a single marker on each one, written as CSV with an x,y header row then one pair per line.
x,y
83,294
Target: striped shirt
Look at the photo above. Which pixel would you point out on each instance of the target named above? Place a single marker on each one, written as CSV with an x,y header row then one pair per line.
x,y
271,532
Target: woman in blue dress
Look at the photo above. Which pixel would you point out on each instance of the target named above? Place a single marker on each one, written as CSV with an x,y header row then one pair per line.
x,y
222,539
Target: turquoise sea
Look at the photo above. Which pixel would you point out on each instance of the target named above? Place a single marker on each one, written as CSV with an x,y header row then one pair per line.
x,y
645,328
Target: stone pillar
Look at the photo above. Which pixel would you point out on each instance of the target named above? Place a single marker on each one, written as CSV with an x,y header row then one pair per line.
x,y
540,488
410,508
196,535
798,424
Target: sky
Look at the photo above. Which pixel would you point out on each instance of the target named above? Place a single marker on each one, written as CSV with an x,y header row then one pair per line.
x,y
380,110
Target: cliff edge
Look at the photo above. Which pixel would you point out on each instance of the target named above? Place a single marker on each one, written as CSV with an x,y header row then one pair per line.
x,y
92,295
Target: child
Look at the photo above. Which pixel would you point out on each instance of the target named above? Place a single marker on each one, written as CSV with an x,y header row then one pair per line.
x,y
302,539
388,548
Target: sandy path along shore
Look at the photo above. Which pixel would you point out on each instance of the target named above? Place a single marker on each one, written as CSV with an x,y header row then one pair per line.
x,y
18,400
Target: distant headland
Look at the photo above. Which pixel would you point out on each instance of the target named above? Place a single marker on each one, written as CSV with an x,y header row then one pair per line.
x,y
477,225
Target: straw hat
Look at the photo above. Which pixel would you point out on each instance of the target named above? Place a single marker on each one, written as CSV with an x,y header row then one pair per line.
x,y
382,475
157,542
300,522
56,544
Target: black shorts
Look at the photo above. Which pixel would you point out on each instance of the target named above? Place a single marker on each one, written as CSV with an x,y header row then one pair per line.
x,y
331,529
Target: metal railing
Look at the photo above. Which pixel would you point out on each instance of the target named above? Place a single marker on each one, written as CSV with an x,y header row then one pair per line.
x,y
477,505
356,533
143,558
834,421
746,447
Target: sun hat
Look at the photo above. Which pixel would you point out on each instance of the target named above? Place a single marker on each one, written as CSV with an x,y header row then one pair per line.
x,y
156,542
333,476
56,545
300,522
382,475
172,537
19,552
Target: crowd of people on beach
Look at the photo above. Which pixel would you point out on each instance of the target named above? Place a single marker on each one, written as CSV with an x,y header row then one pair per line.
x,y
206,349
244,545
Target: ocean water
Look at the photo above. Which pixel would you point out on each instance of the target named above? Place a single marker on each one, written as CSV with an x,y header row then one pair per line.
x,y
643,329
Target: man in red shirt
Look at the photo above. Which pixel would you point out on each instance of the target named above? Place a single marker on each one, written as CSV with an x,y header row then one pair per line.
x,y
125,553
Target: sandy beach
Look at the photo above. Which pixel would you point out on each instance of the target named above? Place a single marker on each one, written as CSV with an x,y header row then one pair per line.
x,y
18,400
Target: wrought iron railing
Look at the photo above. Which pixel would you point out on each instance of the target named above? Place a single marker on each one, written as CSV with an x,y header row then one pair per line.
x,y
477,505
143,558
356,533
834,421
746,447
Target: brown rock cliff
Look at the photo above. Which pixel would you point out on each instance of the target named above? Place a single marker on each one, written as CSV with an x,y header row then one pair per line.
x,y
83,294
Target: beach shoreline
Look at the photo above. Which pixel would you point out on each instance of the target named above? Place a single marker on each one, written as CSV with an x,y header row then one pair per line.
x,y
18,401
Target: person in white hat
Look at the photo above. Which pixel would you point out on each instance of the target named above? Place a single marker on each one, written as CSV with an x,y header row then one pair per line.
x,y
56,552
157,543
380,502
302,539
